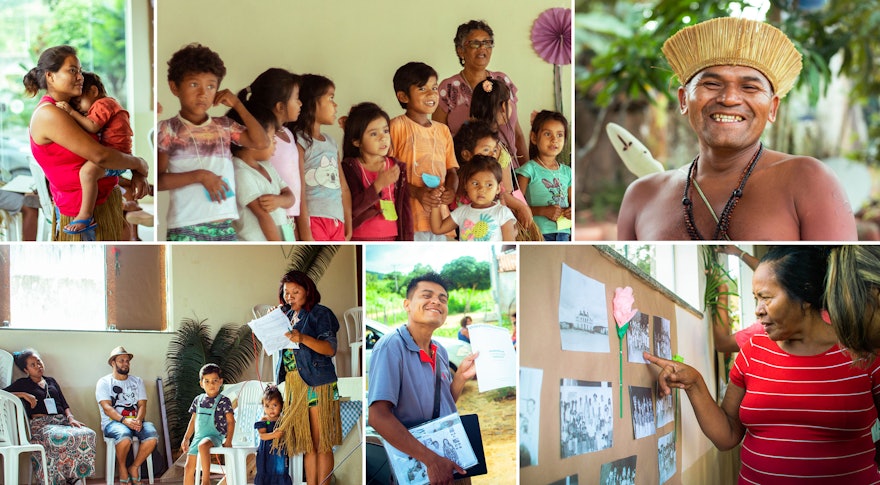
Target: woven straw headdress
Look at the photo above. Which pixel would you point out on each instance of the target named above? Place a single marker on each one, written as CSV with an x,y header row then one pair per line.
x,y
729,41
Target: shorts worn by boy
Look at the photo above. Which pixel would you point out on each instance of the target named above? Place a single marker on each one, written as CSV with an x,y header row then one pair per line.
x,y
199,147
251,185
210,420
424,149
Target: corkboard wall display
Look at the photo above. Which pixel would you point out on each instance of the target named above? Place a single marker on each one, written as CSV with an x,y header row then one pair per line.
x,y
541,348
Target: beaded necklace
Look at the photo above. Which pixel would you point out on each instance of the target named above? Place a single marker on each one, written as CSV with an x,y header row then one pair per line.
x,y
723,224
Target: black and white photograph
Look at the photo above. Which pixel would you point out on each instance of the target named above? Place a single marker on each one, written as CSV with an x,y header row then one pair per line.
x,y
619,472
665,409
583,313
642,407
638,338
662,338
529,415
666,456
586,416
569,480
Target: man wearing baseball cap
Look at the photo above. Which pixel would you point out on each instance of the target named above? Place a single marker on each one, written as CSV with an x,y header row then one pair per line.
x,y
122,399
733,74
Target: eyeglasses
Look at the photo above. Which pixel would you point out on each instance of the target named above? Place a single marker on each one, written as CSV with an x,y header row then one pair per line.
x,y
476,44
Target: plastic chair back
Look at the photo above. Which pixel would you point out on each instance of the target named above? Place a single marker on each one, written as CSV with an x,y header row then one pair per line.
x,y
47,219
6,364
248,412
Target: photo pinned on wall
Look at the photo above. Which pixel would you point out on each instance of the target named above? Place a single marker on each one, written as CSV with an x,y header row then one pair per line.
x,y
638,338
586,417
619,472
666,457
569,480
665,409
642,408
662,338
529,394
583,313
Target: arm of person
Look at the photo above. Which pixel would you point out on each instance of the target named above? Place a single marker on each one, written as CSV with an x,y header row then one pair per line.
x,y
254,135
633,199
466,371
451,186
84,122
567,211
110,411
27,397
748,259
72,420
440,469
138,423
303,229
212,182
51,124
322,347
522,148
439,224
284,200
720,424
519,208
230,429
190,429
366,199
346,202
508,231
427,196
265,435
822,205
551,212
267,225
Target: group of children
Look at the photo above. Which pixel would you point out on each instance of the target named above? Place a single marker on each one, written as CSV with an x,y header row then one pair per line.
x,y
212,423
266,171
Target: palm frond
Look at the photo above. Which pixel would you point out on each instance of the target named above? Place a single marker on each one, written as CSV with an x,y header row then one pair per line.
x,y
233,351
187,352
312,260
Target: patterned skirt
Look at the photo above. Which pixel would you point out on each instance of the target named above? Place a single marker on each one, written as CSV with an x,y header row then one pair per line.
x,y
70,452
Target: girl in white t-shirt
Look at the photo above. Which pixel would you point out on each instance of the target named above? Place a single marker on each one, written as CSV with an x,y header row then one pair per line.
x,y
484,218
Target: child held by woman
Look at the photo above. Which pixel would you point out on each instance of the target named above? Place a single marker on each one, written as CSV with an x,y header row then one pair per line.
x,y
380,205
98,114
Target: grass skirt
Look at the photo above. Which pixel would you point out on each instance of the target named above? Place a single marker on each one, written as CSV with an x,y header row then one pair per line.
x,y
108,215
296,437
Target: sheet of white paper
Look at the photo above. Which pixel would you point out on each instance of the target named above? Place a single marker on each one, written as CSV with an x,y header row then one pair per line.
x,y
496,364
23,184
270,329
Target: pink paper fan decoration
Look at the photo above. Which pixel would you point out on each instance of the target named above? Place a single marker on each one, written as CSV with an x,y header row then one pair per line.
x,y
622,305
551,35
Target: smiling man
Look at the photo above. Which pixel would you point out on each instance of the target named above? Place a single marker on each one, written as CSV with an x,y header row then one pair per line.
x,y
734,72
410,382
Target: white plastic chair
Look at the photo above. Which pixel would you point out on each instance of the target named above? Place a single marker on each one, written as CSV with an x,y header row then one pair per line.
x,y
6,364
14,438
47,208
354,329
245,439
110,468
10,226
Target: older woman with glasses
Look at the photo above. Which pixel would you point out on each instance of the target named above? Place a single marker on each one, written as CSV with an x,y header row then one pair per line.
x,y
474,42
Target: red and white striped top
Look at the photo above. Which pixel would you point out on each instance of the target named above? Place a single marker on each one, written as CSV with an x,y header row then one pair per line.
x,y
807,418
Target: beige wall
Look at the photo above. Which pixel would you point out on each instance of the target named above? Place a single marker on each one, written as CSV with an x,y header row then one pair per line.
x,y
220,283
357,44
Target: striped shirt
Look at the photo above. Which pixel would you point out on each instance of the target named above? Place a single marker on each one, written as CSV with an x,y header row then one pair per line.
x,y
806,417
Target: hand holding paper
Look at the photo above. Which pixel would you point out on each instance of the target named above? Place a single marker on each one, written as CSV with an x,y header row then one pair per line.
x,y
271,330
496,364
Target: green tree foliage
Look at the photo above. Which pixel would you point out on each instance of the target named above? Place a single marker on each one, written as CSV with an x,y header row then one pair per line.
x,y
466,273
96,28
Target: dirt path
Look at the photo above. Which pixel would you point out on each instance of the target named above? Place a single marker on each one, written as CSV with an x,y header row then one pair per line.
x,y
498,428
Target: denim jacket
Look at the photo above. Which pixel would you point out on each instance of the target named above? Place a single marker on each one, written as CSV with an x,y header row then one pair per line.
x,y
314,368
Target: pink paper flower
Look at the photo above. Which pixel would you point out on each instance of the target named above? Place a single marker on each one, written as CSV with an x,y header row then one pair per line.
x,y
622,305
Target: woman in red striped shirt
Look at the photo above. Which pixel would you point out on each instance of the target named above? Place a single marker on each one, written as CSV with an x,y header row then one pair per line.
x,y
801,409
